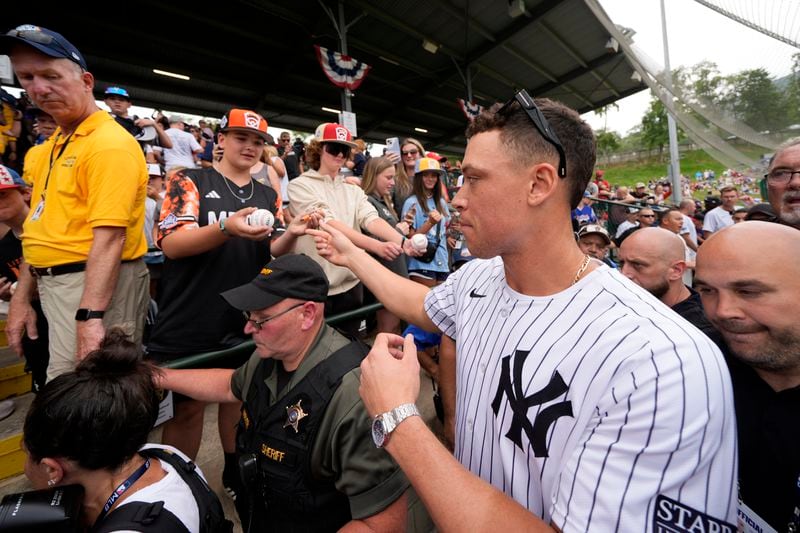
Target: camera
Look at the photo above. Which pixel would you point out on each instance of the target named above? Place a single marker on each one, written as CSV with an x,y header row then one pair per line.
x,y
55,510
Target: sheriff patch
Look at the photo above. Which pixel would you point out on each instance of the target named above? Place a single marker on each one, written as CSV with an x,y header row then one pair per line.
x,y
672,516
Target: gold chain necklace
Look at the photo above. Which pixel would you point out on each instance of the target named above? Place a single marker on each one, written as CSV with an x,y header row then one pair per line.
x,y
581,270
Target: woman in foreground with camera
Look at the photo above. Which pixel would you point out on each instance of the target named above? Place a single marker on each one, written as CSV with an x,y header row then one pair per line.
x,y
88,427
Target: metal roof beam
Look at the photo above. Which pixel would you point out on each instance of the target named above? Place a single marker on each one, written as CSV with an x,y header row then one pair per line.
x,y
572,53
585,68
378,14
459,14
612,99
519,24
481,51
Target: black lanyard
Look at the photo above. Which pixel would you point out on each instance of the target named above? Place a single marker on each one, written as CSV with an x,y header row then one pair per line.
x,y
54,161
794,525
125,485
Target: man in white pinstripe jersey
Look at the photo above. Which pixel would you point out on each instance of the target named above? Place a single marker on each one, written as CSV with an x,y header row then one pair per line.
x,y
583,403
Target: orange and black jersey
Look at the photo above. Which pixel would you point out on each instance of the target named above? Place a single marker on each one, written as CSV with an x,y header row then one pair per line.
x,y
192,316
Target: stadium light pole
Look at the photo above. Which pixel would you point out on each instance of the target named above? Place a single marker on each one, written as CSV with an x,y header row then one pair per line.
x,y
672,130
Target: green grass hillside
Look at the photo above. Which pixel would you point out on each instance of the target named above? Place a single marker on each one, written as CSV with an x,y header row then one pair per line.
x,y
630,172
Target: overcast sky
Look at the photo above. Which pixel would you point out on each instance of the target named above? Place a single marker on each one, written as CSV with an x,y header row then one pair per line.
x,y
695,33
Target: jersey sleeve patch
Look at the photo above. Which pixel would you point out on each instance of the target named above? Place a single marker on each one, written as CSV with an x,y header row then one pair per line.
x,y
671,515
181,206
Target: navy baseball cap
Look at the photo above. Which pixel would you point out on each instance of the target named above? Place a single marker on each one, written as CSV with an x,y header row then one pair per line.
x,y
289,276
46,41
117,91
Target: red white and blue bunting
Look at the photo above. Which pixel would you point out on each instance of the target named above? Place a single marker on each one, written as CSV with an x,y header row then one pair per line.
x,y
470,109
343,71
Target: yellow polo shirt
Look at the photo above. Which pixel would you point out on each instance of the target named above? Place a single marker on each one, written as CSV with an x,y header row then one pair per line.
x,y
33,153
98,177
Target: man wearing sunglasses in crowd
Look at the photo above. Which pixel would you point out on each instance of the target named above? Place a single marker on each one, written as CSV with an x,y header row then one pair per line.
x,y
304,429
583,403
348,209
290,156
83,238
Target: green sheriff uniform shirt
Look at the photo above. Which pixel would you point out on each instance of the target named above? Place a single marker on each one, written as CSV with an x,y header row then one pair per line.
x,y
343,450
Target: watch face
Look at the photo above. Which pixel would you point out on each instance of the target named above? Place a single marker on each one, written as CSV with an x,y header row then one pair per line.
x,y
378,432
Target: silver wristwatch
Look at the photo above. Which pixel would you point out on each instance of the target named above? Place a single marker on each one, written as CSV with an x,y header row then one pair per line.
x,y
383,425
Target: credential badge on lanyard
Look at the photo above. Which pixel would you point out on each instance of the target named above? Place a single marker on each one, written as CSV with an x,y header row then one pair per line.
x,y
37,212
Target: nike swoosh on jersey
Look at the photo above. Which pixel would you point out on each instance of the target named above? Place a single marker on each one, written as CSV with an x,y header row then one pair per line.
x,y
473,294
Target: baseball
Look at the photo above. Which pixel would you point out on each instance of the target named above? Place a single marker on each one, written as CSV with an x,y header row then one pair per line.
x,y
260,217
419,242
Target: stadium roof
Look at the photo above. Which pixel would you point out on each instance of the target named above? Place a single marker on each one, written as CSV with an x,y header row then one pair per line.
x,y
259,55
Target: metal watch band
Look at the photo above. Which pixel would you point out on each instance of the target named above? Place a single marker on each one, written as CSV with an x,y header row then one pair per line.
x,y
393,418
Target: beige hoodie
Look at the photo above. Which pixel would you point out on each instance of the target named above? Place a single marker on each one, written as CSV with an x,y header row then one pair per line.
x,y
341,201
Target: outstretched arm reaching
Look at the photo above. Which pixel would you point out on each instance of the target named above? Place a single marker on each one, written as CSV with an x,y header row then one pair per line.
x,y
401,296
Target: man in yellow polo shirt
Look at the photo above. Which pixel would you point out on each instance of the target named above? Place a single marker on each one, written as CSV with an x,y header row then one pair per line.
x,y
83,238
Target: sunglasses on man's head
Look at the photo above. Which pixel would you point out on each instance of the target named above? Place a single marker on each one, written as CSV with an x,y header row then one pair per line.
x,y
32,35
336,148
37,36
542,125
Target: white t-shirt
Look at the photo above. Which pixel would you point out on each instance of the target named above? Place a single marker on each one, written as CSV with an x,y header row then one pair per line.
x,y
625,226
284,184
717,219
597,408
176,495
184,145
688,255
688,227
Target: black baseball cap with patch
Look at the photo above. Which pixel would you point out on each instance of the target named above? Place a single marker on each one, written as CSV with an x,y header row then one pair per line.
x,y
46,41
294,276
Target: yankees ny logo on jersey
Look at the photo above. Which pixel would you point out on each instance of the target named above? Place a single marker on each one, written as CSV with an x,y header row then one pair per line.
x,y
536,431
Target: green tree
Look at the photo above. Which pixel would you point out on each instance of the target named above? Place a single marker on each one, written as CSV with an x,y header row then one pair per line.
x,y
701,84
608,142
654,126
755,100
633,139
602,111
792,92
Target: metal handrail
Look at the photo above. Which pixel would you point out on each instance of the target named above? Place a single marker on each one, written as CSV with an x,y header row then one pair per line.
x,y
247,347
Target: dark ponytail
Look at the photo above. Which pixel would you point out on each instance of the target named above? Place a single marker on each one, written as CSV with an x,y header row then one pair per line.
x,y
100,414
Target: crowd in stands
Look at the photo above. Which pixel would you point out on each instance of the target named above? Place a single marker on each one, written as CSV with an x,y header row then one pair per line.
x,y
555,351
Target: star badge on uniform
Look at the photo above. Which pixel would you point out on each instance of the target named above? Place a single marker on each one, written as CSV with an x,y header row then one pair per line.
x,y
294,414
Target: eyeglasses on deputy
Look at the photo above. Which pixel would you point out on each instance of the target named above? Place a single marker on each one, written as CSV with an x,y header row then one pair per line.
x,y
258,323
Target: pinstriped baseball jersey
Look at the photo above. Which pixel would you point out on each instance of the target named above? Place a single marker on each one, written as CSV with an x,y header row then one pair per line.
x,y
597,408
